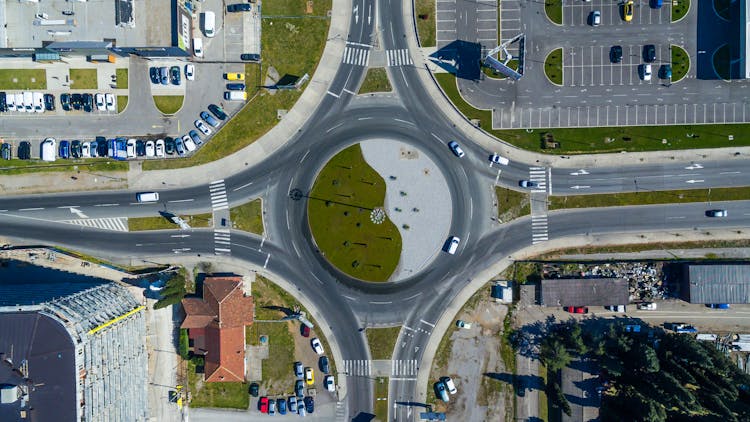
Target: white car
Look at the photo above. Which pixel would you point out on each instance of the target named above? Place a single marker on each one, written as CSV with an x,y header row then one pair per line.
x,y
189,144
329,384
497,159
189,72
100,105
19,102
449,385
451,246
453,145
645,70
160,147
131,148
647,306
317,346
110,100
86,149
11,102
38,99
149,148
202,127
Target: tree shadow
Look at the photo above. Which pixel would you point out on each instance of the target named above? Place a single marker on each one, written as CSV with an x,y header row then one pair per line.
x,y
363,417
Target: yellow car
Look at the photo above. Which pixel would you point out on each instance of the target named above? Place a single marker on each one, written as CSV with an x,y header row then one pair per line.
x,y
235,76
627,10
309,376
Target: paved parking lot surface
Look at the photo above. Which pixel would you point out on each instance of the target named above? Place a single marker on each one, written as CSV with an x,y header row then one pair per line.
x,y
578,13
468,21
591,66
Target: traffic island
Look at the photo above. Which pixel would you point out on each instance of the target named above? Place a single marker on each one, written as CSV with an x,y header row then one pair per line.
x,y
168,104
680,63
382,341
376,80
680,8
346,218
554,11
511,204
164,223
553,66
248,217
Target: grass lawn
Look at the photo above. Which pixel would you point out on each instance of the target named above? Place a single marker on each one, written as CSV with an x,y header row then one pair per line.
x,y
553,67
122,78
295,8
553,9
381,398
83,79
339,206
376,81
425,11
680,9
216,394
649,197
543,405
680,62
604,139
122,102
511,204
277,369
720,61
382,341
36,166
161,223
168,104
259,115
248,217
23,79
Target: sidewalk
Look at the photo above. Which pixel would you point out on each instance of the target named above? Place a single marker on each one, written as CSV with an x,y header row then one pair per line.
x,y
281,133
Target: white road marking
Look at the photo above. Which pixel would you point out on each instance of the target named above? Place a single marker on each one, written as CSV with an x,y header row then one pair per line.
x,y
30,209
181,200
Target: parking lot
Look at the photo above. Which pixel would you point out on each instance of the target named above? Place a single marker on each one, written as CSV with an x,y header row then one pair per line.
x,y
480,25
578,13
591,66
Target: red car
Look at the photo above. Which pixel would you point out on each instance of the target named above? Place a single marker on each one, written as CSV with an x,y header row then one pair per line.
x,y
304,330
576,309
263,405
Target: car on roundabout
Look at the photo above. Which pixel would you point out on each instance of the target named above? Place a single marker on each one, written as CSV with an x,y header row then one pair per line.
x,y
453,145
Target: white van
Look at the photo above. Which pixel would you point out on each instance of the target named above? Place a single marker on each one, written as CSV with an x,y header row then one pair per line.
x,y
38,102
28,102
209,23
235,95
147,197
451,246
198,47
10,101
49,149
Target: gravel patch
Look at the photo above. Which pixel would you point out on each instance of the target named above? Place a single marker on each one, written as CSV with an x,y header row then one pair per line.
x,y
417,197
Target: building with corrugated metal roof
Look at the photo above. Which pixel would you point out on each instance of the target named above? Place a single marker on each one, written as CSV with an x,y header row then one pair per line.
x,y
716,283
585,292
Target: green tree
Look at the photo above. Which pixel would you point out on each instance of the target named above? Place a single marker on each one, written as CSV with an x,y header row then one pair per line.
x,y
554,354
556,396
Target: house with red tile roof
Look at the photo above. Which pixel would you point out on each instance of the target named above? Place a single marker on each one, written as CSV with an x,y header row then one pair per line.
x,y
216,325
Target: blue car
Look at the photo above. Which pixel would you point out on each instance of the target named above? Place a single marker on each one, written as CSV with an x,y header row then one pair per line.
x,y
209,119
281,405
710,305
236,87
64,149
194,135
240,7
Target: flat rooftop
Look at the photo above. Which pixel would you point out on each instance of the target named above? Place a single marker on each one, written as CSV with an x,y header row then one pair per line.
x,y
585,292
47,350
130,23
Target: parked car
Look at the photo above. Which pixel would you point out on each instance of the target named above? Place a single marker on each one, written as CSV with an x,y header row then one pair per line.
x,y
718,305
159,148
38,100
329,384
317,347
449,385
627,11
100,105
576,309
263,405
64,151
281,405
271,407
665,71
304,330
236,87
75,149
49,102
164,75
194,136
441,392
299,388
234,76
86,149
6,151
453,145
10,102
323,365
174,75
101,146
217,111
527,184
150,150
110,101
76,101
254,389
616,308
239,7
3,102
309,376
647,306
292,402
189,144
209,119
93,149
309,404
716,213
463,324
645,71
169,145
65,101
202,127
595,18
649,53
299,371
179,146
153,73
615,54
301,407
88,103
247,57
140,148
189,72
24,150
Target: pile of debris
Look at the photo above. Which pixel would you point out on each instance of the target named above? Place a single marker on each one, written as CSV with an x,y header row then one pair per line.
x,y
645,279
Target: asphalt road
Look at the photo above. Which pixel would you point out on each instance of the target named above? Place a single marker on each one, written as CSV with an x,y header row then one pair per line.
x,y
289,250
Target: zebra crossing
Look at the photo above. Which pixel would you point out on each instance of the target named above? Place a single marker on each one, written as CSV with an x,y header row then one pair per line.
x,y
357,367
218,195
118,224
539,229
221,242
404,368
538,175
398,57
357,56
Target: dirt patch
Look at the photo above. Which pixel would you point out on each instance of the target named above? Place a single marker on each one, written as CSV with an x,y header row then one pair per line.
x,y
64,181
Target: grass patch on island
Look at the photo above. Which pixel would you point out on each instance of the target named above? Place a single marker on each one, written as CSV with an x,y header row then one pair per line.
x,y
13,79
680,62
122,102
339,210
382,341
649,197
376,81
680,9
381,398
553,66
425,12
168,104
83,79
161,223
308,36
122,78
554,9
511,204
248,217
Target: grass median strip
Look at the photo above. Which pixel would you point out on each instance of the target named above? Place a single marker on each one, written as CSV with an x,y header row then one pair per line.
x,y
376,80
649,197
248,217
23,79
160,223
122,102
83,79
381,398
168,104
382,341
122,78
